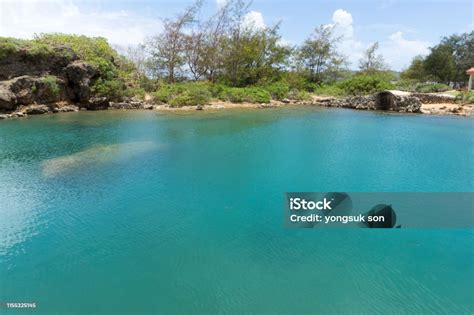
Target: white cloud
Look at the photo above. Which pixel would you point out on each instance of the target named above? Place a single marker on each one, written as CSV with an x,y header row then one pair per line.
x,y
343,21
399,51
253,19
221,3
23,18
396,49
349,45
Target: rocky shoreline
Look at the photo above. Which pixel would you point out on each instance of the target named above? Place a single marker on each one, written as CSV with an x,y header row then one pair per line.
x,y
401,104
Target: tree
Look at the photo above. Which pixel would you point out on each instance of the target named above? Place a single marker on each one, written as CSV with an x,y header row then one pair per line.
x,y
318,53
168,47
250,53
446,62
416,70
137,55
204,46
372,62
462,47
439,64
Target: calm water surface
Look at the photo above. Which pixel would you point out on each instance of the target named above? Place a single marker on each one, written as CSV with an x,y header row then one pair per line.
x,y
140,212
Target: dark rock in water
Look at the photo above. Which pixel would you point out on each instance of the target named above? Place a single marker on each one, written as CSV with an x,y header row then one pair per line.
x,y
37,109
66,108
19,114
95,103
385,211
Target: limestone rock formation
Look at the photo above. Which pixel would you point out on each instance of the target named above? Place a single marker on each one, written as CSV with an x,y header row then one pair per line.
x,y
79,75
27,79
385,100
36,109
24,62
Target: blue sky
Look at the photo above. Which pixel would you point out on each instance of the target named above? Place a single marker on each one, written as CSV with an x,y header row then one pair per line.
x,y
403,28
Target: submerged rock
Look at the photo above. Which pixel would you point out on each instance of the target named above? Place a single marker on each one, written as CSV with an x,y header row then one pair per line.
x,y
95,156
95,103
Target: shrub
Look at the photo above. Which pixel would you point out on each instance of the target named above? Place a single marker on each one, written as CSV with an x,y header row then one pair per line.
x,y
250,94
431,87
299,95
10,45
51,83
257,95
329,90
364,84
181,94
162,95
32,48
234,95
465,97
216,90
135,92
113,89
278,90
297,80
191,98
406,85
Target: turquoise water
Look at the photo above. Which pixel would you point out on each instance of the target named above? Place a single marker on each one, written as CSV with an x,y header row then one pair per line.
x,y
139,212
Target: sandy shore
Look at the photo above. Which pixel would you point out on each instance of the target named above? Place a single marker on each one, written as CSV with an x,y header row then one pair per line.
x,y
429,109
448,109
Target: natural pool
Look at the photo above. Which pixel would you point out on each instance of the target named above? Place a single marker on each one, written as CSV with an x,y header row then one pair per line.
x,y
140,212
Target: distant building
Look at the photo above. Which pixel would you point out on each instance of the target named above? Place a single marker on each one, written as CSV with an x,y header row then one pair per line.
x,y
470,86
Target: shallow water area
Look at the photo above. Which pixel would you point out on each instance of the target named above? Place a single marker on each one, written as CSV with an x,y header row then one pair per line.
x,y
142,212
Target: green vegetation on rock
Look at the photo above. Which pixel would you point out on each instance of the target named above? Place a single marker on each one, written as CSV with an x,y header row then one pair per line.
x,y
51,83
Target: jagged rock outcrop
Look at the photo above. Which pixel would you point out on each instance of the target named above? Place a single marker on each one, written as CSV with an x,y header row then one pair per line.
x,y
26,89
36,109
25,62
96,103
79,75
26,78
380,101
7,98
